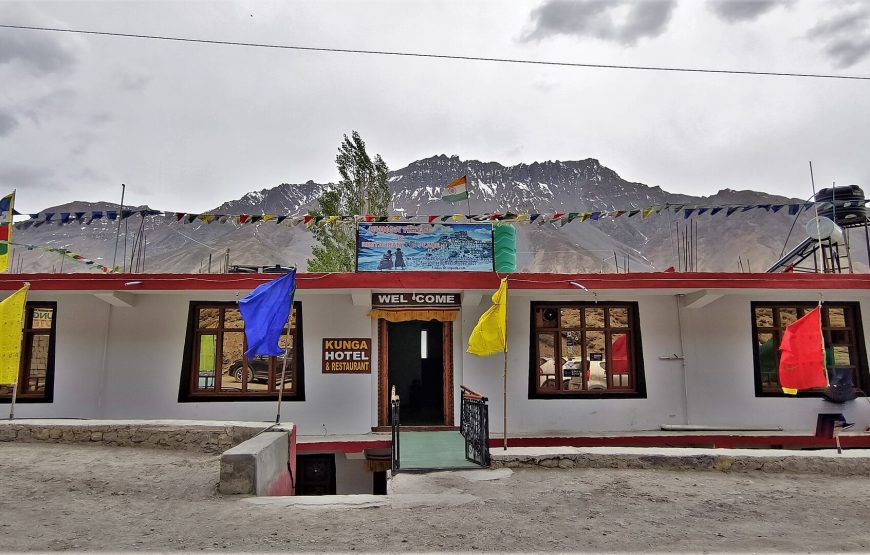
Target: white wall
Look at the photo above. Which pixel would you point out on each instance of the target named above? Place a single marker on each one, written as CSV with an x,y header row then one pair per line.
x,y
146,344
147,347
78,362
663,404
721,373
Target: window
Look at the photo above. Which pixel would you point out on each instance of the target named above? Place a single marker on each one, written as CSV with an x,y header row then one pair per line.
x,y
845,356
215,367
36,374
585,350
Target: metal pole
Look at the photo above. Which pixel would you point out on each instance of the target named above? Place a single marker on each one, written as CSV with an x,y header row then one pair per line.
x,y
118,232
284,368
12,406
504,434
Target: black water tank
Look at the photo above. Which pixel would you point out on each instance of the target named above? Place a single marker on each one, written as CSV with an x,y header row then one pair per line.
x,y
856,212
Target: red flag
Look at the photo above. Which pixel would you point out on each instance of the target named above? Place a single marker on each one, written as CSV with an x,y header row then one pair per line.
x,y
802,361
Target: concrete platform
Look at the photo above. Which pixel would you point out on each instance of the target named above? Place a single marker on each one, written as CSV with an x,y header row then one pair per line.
x,y
212,436
852,462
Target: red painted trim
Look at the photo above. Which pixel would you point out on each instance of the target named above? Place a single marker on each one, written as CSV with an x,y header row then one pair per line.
x,y
342,446
714,441
423,281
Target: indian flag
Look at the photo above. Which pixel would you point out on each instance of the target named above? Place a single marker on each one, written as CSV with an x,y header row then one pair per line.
x,y
456,190
5,230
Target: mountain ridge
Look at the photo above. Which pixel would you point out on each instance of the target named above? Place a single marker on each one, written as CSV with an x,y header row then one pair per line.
x,y
637,243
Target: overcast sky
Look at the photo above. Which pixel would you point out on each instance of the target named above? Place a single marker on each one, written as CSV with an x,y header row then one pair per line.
x,y
188,126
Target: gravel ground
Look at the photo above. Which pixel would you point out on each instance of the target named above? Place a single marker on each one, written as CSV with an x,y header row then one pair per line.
x,y
58,497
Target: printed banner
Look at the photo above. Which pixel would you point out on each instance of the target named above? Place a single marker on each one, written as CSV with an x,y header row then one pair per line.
x,y
347,356
439,247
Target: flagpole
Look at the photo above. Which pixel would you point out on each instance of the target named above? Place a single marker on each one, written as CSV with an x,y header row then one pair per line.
x,y
284,368
15,385
12,406
504,425
504,401
467,196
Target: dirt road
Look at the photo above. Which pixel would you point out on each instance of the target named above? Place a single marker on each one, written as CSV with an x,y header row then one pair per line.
x,y
56,497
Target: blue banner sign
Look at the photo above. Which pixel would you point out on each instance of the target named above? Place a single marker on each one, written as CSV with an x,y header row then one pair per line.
x,y
440,247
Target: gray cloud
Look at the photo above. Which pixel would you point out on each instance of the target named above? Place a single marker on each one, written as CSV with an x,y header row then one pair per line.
x,y
133,81
744,10
846,36
55,103
8,123
622,21
20,176
37,52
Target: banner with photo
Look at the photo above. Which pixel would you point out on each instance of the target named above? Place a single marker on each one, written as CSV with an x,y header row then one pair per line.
x,y
440,247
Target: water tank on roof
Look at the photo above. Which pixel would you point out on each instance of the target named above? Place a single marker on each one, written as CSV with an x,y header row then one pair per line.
x,y
843,215
822,228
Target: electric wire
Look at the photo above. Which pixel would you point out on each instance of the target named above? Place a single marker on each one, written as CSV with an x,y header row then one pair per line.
x,y
439,56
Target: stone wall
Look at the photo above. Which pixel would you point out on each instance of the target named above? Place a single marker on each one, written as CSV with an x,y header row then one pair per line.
x,y
193,436
729,460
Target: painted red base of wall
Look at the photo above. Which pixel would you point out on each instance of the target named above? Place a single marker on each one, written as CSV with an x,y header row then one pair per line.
x,y
285,482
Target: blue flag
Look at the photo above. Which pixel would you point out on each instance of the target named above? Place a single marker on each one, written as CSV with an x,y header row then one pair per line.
x,y
265,311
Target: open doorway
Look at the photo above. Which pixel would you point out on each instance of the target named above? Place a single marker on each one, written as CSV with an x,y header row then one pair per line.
x,y
416,368
415,357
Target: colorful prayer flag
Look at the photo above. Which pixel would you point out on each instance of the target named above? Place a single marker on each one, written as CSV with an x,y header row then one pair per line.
x,y
265,312
11,319
489,336
802,358
6,205
456,190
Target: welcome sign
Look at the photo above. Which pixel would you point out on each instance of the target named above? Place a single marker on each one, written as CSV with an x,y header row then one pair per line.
x,y
440,247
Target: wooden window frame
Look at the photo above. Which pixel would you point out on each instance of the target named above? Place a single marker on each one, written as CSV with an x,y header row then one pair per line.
x,y
187,390
634,349
862,377
24,395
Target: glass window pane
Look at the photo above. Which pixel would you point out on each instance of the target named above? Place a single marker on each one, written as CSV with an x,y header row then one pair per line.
x,y
572,360
767,359
595,353
547,317
836,318
233,319
258,373
787,316
764,317
569,317
206,364
618,317
619,365
594,317
233,367
842,356
546,364
42,318
293,317
208,318
38,364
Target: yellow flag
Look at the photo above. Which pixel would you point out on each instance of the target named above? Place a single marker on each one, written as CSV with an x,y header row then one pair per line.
x,y
489,336
11,315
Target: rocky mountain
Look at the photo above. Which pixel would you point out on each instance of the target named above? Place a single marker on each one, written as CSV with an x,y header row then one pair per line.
x,y
635,244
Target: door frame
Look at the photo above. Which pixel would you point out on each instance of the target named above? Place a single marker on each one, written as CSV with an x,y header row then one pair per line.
x,y
383,373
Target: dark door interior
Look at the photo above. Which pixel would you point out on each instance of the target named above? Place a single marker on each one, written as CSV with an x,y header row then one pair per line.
x,y
416,368
316,474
